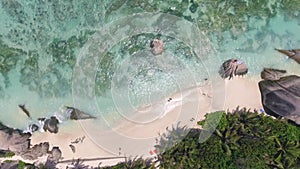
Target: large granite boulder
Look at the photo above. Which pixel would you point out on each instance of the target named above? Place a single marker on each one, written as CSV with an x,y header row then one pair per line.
x,y
54,155
51,125
233,67
13,139
36,151
157,46
292,53
76,114
281,98
272,74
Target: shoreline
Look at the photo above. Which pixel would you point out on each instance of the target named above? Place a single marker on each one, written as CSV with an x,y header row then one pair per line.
x,y
181,108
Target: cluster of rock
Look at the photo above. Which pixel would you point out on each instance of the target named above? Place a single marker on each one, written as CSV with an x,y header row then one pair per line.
x,y
16,141
280,95
52,160
233,67
51,124
13,139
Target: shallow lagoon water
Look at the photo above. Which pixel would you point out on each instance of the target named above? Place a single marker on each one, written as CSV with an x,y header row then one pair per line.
x,y
43,40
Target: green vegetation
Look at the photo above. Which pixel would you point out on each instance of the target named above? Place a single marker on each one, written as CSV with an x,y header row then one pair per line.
x,y
242,139
21,165
136,162
5,154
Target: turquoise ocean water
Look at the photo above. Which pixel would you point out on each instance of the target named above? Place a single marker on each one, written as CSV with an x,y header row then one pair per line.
x,y
45,47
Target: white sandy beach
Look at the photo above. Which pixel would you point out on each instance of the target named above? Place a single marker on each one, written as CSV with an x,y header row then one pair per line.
x,y
137,135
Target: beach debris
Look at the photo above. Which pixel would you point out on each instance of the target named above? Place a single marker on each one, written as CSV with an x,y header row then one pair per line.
x,y
120,151
281,98
76,114
23,108
72,148
157,46
292,53
51,125
152,152
169,99
77,140
272,74
233,67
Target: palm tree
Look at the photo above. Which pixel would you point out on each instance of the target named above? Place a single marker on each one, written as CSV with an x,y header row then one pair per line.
x,y
136,162
288,153
77,164
171,137
229,138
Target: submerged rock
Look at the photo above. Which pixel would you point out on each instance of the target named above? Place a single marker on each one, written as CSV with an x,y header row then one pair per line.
x,y
281,98
157,47
76,114
33,128
293,54
51,125
272,74
13,139
233,67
